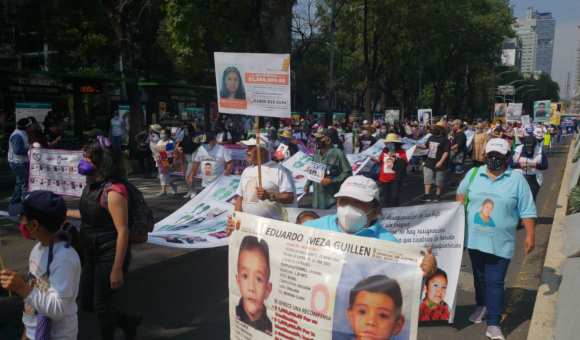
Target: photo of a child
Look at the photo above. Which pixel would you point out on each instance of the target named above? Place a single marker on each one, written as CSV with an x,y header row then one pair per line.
x,y
374,310
253,280
433,307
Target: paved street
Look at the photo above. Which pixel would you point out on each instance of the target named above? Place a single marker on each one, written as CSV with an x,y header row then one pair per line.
x,y
183,294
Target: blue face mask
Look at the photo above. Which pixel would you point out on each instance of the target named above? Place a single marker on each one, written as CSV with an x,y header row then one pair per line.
x,y
390,147
86,168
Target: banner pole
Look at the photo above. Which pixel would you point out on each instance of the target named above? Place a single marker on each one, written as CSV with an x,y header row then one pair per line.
x,y
2,267
258,152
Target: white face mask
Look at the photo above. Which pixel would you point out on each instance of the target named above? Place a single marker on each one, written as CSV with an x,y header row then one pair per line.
x,y
351,219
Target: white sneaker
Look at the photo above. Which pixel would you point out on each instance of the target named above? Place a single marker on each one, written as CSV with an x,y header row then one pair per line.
x,y
478,315
494,333
188,195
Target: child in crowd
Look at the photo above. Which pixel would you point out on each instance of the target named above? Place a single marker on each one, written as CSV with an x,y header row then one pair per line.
x,y
253,280
306,216
375,308
433,307
50,308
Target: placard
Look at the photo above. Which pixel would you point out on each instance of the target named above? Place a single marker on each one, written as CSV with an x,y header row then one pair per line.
x,y
253,83
514,112
292,282
56,170
542,110
315,171
29,109
425,116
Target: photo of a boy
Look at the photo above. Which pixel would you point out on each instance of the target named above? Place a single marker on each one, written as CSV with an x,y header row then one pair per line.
x,y
253,279
375,308
433,307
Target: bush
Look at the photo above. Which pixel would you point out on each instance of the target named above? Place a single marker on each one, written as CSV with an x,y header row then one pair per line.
x,y
574,201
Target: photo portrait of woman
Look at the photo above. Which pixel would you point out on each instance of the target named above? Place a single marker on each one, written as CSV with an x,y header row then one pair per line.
x,y
232,86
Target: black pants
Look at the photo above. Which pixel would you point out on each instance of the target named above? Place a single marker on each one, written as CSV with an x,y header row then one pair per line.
x,y
10,316
534,186
390,193
97,296
145,162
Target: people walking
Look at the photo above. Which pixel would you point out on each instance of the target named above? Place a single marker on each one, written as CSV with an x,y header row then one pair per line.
x,y
18,145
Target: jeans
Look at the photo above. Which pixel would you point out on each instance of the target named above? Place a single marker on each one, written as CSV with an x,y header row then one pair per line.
x,y
117,144
489,273
390,193
97,296
20,170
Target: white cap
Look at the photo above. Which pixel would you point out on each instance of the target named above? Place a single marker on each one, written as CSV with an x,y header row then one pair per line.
x,y
252,142
497,145
360,188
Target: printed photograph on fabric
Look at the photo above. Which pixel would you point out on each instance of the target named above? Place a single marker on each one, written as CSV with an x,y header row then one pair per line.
x,y
232,91
253,280
433,306
483,216
373,300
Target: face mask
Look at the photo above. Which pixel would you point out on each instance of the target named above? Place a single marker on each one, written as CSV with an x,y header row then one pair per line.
x,y
86,168
495,163
390,147
24,231
351,219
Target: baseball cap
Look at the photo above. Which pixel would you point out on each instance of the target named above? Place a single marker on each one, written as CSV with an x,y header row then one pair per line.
x,y
360,188
24,123
45,206
497,145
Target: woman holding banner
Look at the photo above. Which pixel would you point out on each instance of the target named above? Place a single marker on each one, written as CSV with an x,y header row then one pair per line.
x,y
496,199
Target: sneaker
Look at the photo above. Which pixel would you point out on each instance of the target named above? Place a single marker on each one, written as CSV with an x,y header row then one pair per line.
x,y
478,315
188,195
426,198
494,333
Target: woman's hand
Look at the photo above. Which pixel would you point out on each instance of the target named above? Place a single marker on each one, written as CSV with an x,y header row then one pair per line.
x,y
530,243
117,279
429,263
11,281
232,225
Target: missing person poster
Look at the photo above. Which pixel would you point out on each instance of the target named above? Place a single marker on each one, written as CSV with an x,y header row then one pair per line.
x,y
514,112
56,170
201,222
440,226
392,116
424,116
542,110
500,111
292,282
253,83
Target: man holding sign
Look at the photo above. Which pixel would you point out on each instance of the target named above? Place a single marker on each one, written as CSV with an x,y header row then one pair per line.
x,y
277,187
337,170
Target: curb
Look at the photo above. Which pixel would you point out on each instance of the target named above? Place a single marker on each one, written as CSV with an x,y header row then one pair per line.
x,y
542,325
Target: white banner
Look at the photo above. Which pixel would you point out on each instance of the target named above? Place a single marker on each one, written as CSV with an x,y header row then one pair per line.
x,y
292,282
28,109
253,83
440,226
56,170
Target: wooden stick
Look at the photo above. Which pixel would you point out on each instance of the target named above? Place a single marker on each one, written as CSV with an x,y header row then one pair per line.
x,y
2,267
258,152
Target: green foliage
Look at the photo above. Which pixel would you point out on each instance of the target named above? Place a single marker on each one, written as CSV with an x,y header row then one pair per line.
x,y
574,201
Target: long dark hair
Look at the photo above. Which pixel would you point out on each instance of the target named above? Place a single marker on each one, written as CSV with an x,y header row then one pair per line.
x,y
241,92
108,165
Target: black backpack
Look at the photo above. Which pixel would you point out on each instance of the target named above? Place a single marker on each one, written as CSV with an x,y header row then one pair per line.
x,y
141,220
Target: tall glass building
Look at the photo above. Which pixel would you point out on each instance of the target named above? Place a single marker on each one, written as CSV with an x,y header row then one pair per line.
x,y
536,32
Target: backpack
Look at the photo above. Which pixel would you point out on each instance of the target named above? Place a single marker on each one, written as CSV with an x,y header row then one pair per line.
x,y
141,220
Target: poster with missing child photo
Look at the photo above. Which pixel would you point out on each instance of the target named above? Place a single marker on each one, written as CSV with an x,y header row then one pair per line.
x,y
292,282
440,226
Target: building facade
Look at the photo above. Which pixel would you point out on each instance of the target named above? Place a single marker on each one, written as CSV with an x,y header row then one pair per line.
x,y
536,32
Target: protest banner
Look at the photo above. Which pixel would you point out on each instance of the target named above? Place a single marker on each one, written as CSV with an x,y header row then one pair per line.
x,y
359,162
296,282
239,157
315,171
440,226
424,116
253,83
347,143
526,120
514,112
56,170
29,109
392,116
542,110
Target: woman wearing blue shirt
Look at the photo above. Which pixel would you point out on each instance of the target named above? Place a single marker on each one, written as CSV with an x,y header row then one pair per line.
x,y
498,199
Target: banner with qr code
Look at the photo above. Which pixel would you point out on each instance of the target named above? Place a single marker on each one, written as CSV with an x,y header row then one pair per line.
x,y
292,282
56,170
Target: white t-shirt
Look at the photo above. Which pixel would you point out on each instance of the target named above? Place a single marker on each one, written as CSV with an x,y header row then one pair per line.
x,y
275,178
55,298
211,162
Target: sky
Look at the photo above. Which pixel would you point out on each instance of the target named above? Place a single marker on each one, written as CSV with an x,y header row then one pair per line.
x,y
567,15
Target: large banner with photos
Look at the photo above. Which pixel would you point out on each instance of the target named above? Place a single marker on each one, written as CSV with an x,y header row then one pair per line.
x,y
56,170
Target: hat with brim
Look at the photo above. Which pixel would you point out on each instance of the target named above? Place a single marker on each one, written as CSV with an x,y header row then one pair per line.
x,y
393,138
360,188
24,123
286,134
252,142
321,132
155,127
